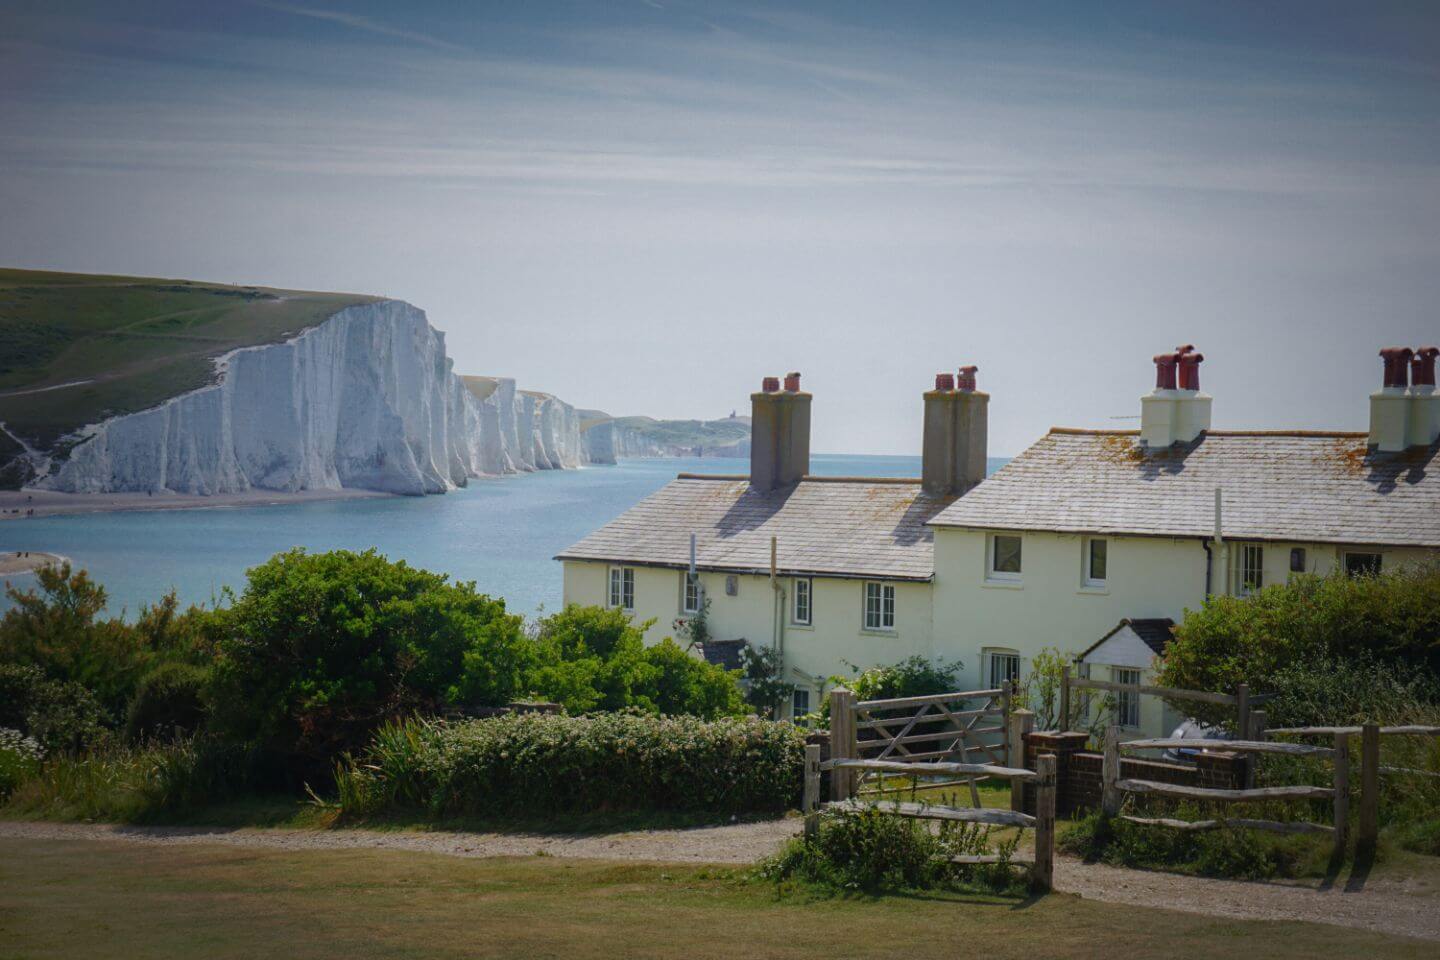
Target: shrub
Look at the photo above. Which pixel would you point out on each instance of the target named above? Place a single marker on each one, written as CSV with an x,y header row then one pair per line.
x,y
685,684
912,677
20,758
869,851
530,763
1227,852
321,649
59,715
170,699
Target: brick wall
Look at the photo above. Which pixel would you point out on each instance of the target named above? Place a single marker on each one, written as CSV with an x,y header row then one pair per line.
x,y
1080,772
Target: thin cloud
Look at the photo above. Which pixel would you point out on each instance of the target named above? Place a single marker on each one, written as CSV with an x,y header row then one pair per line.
x,y
356,22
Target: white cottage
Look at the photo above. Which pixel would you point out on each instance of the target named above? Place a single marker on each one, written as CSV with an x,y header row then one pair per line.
x,y
1084,530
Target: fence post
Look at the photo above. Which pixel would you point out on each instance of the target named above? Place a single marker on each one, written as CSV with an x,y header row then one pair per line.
x,y
810,804
1021,723
1369,790
1043,876
1342,793
1242,732
842,741
1065,698
1110,799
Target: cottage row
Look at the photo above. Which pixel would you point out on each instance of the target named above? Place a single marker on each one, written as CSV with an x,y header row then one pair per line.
x,y
1091,541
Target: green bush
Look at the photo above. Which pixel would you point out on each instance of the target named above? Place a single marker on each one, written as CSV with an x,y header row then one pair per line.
x,y
912,677
60,715
527,763
20,758
170,699
1391,618
868,851
1226,852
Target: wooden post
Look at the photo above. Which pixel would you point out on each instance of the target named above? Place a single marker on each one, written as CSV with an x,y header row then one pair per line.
x,y
1110,799
810,804
1242,732
1021,723
1369,831
1342,793
1065,698
842,741
1044,876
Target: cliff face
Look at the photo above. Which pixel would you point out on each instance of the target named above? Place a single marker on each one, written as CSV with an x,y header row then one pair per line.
x,y
366,399
641,437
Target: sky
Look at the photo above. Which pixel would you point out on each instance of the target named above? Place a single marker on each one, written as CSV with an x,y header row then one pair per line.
x,y
645,207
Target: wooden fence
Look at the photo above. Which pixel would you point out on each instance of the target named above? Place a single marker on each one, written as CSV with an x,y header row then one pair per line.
x,y
912,745
1242,700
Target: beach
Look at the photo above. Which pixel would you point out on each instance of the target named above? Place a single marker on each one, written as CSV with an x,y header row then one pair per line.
x,y
13,561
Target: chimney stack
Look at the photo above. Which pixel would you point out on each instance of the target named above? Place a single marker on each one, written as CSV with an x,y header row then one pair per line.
x,y
1424,426
954,449
1175,411
779,434
1390,405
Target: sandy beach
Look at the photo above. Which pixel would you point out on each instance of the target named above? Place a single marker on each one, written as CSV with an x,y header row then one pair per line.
x,y
13,561
29,503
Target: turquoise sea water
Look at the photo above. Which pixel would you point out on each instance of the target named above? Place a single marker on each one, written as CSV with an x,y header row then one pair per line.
x,y
501,533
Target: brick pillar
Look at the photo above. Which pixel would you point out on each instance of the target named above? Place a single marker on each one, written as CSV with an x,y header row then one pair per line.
x,y
1064,746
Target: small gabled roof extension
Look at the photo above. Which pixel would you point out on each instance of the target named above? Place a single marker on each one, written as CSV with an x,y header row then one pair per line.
x,y
825,526
1288,486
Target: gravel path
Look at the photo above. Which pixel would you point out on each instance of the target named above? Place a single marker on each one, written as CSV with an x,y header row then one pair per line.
x,y
1398,905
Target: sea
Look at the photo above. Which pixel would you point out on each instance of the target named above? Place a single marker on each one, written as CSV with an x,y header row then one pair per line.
x,y
502,533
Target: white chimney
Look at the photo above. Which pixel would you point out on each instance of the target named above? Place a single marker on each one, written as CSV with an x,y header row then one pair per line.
x,y
1390,405
1175,411
1424,426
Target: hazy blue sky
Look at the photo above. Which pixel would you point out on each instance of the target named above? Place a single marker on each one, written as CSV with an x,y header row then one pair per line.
x,y
647,206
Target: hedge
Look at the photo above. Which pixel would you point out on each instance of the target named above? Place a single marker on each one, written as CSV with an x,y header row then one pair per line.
x,y
526,763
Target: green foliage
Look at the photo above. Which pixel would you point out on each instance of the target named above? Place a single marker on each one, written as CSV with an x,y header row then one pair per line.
x,y
321,649
20,758
60,715
1227,852
684,683
868,851
1393,617
1041,690
524,763
170,699
912,677
766,690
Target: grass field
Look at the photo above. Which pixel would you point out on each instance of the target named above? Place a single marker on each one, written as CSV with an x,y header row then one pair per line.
x,y
75,348
97,899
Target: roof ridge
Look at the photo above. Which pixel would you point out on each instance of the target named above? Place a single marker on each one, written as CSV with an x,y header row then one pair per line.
x,y
1324,434
808,478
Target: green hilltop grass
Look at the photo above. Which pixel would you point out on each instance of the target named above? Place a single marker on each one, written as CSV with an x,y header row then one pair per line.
x,y
113,345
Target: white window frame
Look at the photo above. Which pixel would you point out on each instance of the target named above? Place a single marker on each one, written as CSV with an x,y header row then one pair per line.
x,y
878,597
1001,666
1249,558
805,585
1127,705
1088,560
1347,554
621,591
689,588
1003,576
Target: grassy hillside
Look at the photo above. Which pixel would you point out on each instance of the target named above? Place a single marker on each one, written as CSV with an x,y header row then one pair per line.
x,y
689,433
76,348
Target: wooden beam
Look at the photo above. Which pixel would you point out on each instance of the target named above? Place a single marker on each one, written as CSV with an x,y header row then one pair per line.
x,y
972,858
929,769
1342,794
1300,792
1021,723
1235,746
922,811
928,698
1111,798
810,805
1274,826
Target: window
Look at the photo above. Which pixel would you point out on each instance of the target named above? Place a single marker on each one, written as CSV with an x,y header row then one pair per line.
x,y
879,606
1096,553
1250,570
1004,558
799,703
622,587
1297,559
1127,703
689,593
801,610
732,586
1362,564
1001,667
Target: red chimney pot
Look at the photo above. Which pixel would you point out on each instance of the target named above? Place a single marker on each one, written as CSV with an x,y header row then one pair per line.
x,y
1422,366
1190,362
770,385
792,382
1165,370
944,381
966,381
1397,365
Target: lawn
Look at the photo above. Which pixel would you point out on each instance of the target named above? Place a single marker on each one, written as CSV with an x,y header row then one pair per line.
x,y
81,898
112,345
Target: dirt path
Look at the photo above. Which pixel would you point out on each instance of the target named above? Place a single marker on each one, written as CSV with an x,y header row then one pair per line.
x,y
1387,903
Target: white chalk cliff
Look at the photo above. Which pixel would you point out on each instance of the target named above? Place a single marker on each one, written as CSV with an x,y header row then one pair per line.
x,y
367,399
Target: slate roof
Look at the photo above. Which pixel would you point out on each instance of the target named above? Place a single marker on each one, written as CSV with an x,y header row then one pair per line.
x,y
1317,487
1154,631
837,526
